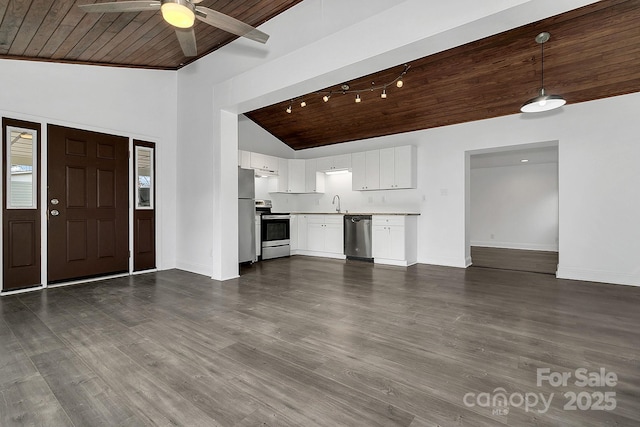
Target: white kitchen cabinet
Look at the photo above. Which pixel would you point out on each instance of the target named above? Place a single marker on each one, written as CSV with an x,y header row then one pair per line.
x,y
293,234
244,159
330,163
297,177
365,168
264,163
394,239
314,180
398,168
302,234
324,236
291,177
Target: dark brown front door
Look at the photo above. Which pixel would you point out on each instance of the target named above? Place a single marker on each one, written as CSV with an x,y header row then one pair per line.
x,y
21,204
88,204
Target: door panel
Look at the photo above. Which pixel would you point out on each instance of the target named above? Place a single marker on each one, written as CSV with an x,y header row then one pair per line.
x,y
144,214
88,175
20,209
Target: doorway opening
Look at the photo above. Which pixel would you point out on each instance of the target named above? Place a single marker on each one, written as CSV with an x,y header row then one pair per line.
x,y
512,206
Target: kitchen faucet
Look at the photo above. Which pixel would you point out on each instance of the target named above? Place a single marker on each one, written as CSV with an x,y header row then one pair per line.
x,y
334,202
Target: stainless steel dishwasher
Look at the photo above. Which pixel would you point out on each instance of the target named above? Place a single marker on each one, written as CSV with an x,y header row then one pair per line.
x,y
357,237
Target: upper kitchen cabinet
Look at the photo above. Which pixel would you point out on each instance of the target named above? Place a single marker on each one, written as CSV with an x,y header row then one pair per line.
x,y
314,180
330,163
365,168
398,168
264,163
291,177
244,159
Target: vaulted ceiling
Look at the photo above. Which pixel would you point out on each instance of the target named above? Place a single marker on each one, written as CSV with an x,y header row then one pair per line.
x,y
594,52
60,31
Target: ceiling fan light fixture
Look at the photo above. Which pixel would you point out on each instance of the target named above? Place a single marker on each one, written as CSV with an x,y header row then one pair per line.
x,y
179,13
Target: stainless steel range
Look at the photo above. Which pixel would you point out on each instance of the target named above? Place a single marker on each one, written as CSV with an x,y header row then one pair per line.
x,y
275,231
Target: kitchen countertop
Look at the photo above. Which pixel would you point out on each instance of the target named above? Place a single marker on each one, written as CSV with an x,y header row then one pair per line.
x,y
355,213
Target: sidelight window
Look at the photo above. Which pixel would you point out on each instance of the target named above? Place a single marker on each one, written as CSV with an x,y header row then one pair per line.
x,y
144,177
22,164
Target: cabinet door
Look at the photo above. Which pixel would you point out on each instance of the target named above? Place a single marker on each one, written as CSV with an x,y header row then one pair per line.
x,y
293,233
333,238
405,167
282,180
380,241
396,244
342,161
315,236
302,232
387,168
314,180
296,175
372,170
257,161
324,164
358,171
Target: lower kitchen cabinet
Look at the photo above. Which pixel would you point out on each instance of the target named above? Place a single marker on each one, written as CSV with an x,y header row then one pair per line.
x,y
320,235
394,239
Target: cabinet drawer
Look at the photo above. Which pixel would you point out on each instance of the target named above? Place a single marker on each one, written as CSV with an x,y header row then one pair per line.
x,y
388,220
315,219
333,219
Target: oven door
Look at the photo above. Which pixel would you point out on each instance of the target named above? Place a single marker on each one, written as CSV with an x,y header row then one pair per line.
x,y
275,235
275,230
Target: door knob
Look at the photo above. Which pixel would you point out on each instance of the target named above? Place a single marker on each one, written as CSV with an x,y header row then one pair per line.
x,y
54,201
55,212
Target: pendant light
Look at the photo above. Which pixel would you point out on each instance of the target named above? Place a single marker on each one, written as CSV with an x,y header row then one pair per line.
x,y
543,102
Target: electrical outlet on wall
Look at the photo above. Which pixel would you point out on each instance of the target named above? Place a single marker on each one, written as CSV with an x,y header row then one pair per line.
x,y
370,199
383,199
492,236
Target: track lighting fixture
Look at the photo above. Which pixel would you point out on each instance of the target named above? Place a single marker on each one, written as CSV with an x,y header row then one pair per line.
x,y
542,102
345,88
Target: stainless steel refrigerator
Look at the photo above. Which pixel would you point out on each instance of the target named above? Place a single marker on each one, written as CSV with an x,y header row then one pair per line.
x,y
246,215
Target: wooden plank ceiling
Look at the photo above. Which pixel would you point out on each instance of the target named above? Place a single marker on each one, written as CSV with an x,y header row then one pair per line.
x,y
594,52
59,31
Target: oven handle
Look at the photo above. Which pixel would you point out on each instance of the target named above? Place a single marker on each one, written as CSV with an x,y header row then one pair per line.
x,y
276,216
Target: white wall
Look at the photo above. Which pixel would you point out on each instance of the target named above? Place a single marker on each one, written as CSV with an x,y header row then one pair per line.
x,y
252,137
135,103
315,44
515,207
599,183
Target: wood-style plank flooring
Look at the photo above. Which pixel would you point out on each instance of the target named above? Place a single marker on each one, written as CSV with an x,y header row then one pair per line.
x,y
515,259
314,342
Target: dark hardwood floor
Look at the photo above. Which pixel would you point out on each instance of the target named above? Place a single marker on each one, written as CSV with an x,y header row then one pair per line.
x,y
515,259
304,342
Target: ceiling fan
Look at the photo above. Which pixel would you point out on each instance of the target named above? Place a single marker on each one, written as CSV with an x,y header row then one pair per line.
x,y
182,15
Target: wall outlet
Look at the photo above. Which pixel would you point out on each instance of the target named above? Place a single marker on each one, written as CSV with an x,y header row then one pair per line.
x,y
383,200
318,202
424,197
492,236
444,192
370,199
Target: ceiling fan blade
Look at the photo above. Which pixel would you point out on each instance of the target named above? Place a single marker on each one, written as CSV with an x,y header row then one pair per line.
x,y
187,39
229,24
122,6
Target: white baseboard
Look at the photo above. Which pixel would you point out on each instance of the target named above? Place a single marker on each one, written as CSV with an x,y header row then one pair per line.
x,y
602,276
320,254
513,245
205,270
446,261
399,263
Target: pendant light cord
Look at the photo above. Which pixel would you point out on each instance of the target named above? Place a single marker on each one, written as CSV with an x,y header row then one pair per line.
x,y
542,63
